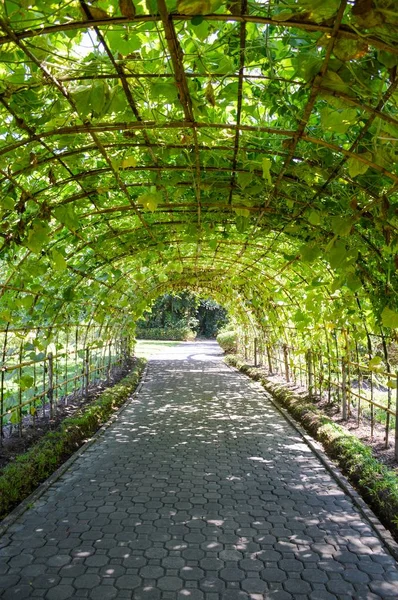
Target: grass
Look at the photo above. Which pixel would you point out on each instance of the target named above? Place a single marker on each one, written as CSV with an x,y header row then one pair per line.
x,y
21,477
148,348
375,482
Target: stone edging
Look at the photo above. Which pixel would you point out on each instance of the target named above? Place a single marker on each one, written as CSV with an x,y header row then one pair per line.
x,y
43,487
382,533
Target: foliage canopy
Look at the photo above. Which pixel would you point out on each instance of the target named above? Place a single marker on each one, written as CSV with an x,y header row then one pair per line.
x,y
243,149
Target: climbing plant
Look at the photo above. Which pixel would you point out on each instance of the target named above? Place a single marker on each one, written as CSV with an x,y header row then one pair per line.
x,y
242,149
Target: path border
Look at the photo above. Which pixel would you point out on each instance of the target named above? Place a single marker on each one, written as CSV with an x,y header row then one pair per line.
x,y
14,515
382,533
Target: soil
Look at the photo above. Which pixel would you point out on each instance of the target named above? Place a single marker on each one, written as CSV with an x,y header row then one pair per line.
x,y
17,442
361,430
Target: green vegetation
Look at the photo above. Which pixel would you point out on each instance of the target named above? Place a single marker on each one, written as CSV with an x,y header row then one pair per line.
x,y
228,340
169,333
267,184
148,348
20,478
181,317
376,483
69,363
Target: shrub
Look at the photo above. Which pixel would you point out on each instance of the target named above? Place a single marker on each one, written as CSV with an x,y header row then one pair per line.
x,y
20,478
227,340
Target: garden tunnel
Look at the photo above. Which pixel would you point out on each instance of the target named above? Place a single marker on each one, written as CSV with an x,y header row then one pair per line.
x,y
246,150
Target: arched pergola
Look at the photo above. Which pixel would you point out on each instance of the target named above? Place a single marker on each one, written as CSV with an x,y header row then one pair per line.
x,y
243,149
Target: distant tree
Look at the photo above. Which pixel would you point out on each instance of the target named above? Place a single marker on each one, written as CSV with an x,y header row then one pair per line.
x,y
203,316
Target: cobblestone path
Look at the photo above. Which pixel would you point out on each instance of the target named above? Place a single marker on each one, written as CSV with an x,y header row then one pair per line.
x,y
200,491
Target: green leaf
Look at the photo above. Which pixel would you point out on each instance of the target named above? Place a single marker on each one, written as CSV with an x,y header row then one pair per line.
x,y
244,179
306,67
319,9
345,49
198,20
58,260
38,237
314,217
7,203
213,244
388,60
131,161
342,226
309,252
201,30
353,282
198,7
26,381
337,254
5,315
68,294
65,214
92,99
242,212
357,167
168,90
15,418
116,164
334,82
285,15
150,200
389,318
242,223
27,301
376,364
266,164
337,121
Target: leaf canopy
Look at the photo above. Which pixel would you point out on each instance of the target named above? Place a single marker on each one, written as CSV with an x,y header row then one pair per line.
x,y
247,149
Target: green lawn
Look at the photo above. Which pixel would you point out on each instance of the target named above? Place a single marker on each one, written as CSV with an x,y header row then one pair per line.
x,y
148,348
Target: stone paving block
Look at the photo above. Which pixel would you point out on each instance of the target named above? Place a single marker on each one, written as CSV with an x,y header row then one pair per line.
x,y
87,581
314,575
254,586
151,572
18,592
168,583
191,573
62,592
128,582
297,586
355,576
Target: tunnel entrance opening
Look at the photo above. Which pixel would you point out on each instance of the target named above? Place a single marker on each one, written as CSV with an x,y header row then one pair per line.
x,y
182,316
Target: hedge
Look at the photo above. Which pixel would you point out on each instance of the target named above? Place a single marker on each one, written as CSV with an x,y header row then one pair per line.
x,y
166,333
227,340
21,477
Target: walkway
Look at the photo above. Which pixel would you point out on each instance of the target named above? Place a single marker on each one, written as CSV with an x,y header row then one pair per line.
x,y
200,491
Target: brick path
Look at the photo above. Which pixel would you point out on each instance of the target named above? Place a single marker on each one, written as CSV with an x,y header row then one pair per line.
x,y
200,491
